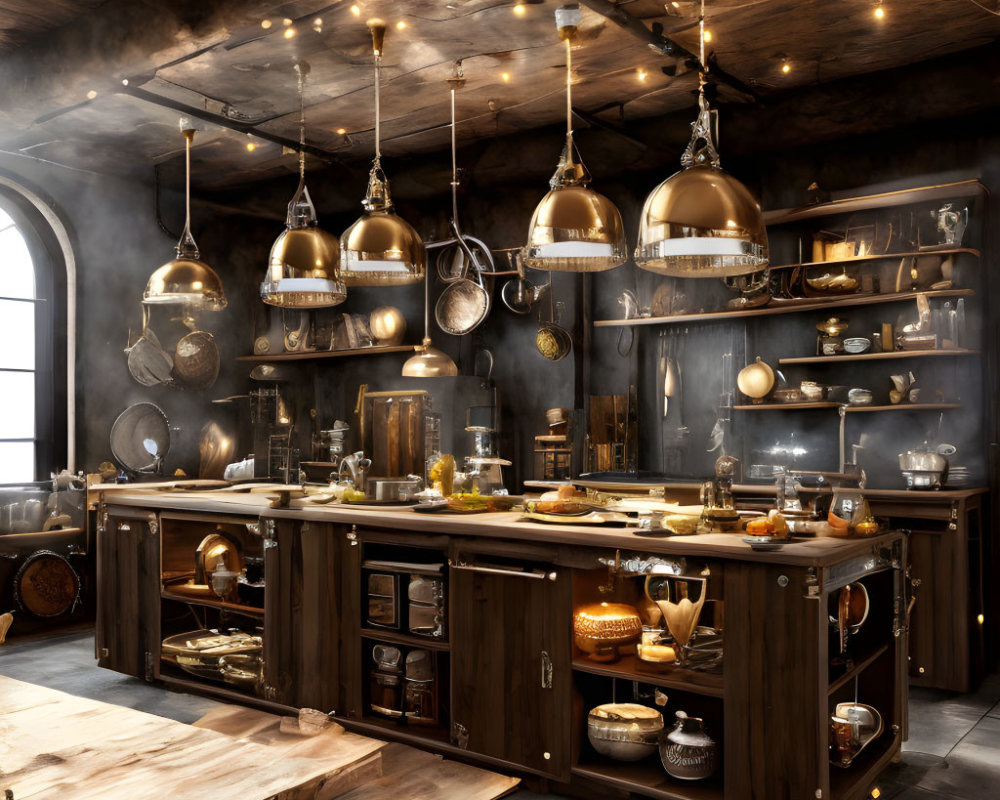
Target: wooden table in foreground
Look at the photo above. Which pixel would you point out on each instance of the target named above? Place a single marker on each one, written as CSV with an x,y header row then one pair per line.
x,y
56,745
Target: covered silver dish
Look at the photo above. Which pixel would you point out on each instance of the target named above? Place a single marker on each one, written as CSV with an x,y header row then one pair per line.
x,y
624,731
923,468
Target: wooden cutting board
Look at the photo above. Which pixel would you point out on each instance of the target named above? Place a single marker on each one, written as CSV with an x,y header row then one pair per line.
x,y
55,745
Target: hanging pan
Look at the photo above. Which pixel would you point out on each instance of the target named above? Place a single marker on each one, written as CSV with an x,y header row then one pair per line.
x,y
140,438
148,362
463,305
196,358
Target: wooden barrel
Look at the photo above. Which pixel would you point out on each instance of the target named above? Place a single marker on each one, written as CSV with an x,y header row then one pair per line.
x,y
46,585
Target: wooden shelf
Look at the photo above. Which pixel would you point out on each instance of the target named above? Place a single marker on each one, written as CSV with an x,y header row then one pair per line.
x,y
855,779
836,262
892,354
785,406
313,355
847,408
647,777
207,602
784,307
903,407
704,683
922,194
857,669
405,639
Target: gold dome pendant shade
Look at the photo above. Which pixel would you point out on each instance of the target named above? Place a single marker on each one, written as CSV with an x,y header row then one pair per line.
x,y
380,248
428,361
701,222
186,280
574,228
304,265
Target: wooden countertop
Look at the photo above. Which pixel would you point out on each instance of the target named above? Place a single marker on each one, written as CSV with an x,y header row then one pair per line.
x,y
811,552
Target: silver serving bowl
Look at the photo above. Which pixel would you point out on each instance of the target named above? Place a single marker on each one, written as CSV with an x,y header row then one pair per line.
x,y
624,731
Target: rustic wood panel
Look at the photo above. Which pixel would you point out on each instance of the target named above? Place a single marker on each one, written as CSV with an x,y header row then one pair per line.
x,y
302,612
103,751
500,626
317,656
351,655
778,638
128,590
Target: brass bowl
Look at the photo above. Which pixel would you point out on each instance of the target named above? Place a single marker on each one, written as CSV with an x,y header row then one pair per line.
x,y
599,629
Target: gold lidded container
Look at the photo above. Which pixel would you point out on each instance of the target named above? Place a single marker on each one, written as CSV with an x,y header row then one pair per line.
x,y
599,629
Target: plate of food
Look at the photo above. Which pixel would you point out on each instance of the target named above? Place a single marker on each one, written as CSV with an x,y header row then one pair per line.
x,y
766,542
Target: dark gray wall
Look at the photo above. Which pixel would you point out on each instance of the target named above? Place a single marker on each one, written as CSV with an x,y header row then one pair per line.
x,y
118,244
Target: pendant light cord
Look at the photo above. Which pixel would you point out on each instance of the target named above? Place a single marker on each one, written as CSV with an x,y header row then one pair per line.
x,y
701,38
427,308
188,136
569,97
302,123
702,67
378,112
454,163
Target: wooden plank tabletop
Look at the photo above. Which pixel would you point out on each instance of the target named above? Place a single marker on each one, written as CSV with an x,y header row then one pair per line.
x,y
56,745
816,552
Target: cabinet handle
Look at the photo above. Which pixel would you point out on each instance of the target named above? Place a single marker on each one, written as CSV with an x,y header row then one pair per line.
x,y
459,735
546,670
535,574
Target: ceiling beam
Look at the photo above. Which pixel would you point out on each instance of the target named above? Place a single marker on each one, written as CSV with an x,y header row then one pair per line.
x,y
657,41
226,122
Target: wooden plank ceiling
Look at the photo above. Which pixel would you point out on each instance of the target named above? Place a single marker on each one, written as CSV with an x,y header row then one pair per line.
x,y
63,66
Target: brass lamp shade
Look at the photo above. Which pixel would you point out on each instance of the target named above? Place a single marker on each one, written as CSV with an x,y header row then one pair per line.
x,y
701,222
302,270
429,362
186,281
575,229
381,249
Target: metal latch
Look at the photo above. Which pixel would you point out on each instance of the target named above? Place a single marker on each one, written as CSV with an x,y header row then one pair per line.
x,y
546,670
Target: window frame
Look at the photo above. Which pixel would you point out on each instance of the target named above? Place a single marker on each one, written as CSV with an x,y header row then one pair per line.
x,y
54,265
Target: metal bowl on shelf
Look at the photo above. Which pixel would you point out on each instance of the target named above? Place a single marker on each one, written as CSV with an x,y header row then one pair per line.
x,y
229,657
624,731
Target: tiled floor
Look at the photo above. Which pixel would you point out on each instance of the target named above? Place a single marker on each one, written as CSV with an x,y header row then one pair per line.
x,y
953,752
954,747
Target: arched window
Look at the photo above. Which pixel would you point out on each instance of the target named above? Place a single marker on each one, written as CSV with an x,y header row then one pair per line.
x,y
34,341
17,355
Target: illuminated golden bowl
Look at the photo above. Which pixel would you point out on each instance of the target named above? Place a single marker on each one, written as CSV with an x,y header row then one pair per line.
x,y
599,629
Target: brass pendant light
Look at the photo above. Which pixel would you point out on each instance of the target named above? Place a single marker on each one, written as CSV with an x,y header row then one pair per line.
x,y
429,362
574,229
304,265
380,248
186,280
701,222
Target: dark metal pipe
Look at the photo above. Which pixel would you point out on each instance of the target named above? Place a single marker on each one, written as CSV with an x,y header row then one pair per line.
x,y
667,46
225,122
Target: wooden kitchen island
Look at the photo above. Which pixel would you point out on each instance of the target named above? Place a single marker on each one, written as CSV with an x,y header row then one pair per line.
x,y
509,687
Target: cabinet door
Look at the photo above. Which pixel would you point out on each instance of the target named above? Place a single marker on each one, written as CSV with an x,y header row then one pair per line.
x,y
302,609
128,591
511,663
